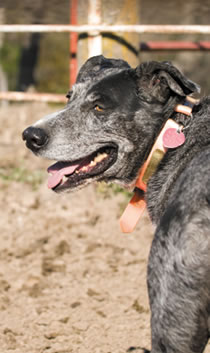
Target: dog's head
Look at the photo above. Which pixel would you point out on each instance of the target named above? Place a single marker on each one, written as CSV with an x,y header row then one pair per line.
x,y
108,126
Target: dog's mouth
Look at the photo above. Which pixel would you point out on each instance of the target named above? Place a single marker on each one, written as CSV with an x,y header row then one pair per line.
x,y
68,175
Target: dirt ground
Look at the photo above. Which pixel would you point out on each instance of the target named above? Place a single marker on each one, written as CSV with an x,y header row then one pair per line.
x,y
70,281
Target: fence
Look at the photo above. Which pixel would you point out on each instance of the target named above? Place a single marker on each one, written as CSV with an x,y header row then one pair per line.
x,y
94,30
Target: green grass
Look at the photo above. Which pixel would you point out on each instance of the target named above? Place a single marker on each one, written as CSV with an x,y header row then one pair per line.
x,y
22,175
107,190
10,56
35,177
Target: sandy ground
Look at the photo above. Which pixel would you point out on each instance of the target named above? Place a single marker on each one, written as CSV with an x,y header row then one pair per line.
x,y
70,281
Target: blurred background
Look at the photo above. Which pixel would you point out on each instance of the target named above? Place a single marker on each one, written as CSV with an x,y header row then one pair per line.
x,y
41,61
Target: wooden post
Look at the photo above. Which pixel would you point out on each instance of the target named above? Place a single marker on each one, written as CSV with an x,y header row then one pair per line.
x,y
122,45
116,45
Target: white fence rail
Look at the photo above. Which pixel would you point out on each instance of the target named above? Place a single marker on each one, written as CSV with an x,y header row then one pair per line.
x,y
158,29
141,29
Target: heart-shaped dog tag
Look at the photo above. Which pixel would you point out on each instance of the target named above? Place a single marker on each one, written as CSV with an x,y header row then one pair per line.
x,y
173,138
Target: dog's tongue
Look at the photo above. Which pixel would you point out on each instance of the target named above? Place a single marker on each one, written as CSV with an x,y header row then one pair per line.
x,y
58,171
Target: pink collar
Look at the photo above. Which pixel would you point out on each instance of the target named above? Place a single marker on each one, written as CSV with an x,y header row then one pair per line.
x,y
171,136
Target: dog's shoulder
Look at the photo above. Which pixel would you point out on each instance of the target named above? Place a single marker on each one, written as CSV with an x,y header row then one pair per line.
x,y
191,194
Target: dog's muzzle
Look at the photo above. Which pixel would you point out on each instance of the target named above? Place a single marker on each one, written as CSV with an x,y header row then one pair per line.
x,y
35,138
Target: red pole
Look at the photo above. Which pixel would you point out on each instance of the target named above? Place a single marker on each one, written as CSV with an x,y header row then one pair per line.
x,y
174,45
73,44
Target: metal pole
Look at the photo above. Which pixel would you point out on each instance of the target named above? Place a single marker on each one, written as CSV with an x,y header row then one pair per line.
x,y
73,44
94,37
3,77
36,97
158,29
174,45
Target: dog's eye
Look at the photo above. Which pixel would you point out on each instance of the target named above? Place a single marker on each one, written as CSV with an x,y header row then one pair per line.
x,y
98,108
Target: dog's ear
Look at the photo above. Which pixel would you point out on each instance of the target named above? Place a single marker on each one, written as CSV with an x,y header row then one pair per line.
x,y
99,65
159,79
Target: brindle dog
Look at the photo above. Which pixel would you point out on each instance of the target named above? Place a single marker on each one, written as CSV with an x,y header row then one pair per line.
x,y
105,132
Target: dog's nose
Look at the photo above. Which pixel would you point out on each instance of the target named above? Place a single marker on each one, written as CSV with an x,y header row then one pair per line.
x,y
35,138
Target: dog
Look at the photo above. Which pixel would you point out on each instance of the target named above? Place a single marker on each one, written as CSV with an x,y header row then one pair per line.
x,y
106,131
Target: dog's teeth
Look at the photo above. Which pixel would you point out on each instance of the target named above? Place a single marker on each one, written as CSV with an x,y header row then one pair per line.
x,y
92,163
100,157
64,179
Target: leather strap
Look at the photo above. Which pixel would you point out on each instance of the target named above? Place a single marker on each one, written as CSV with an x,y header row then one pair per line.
x,y
137,204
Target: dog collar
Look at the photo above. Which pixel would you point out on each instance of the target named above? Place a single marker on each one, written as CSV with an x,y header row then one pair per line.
x,y
171,136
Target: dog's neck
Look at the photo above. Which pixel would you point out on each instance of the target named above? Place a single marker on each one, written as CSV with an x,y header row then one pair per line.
x,y
171,136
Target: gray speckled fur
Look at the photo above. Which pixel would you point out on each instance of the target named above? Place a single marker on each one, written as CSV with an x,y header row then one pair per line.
x,y
179,265
137,102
